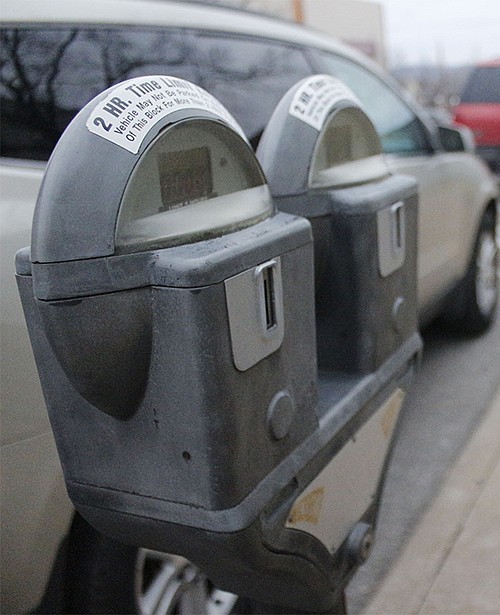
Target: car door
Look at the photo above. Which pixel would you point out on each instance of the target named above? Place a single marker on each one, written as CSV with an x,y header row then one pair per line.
x,y
407,144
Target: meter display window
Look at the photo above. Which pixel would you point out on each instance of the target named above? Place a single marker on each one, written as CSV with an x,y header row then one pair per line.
x,y
347,152
196,180
185,177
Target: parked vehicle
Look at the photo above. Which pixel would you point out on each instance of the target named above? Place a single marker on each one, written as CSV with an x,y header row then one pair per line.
x,y
479,109
57,56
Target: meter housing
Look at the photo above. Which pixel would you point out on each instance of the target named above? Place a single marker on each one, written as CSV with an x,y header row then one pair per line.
x,y
364,223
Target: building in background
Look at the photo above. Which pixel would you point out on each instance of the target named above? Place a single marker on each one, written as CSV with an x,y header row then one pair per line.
x,y
356,22
359,23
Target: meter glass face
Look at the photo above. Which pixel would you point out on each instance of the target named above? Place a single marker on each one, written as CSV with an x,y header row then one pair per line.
x,y
185,177
348,151
196,180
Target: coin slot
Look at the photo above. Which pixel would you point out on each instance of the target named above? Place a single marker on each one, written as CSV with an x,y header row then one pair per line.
x,y
269,297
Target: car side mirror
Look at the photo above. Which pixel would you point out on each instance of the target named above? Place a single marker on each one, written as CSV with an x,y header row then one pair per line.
x,y
457,139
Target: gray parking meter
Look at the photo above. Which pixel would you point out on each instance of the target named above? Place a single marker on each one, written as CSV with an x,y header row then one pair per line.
x,y
323,160
171,312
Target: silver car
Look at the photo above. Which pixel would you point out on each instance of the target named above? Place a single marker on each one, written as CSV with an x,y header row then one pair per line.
x,y
57,56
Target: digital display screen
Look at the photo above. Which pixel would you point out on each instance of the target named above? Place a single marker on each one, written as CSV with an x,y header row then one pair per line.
x,y
185,177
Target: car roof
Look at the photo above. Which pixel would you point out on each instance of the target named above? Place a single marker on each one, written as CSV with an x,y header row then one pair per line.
x,y
490,63
170,14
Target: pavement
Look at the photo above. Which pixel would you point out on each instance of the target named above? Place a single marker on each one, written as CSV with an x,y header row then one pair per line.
x,y
451,562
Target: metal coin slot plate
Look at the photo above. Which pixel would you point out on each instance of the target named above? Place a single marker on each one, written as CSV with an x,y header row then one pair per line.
x,y
391,238
337,498
254,300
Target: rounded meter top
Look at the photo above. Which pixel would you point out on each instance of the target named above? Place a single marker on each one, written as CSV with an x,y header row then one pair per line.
x,y
150,163
319,136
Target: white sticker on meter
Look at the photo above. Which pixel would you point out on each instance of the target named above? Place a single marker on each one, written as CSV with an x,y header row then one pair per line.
x,y
133,107
315,98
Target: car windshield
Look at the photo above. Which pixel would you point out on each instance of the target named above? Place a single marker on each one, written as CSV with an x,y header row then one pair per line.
x,y
483,86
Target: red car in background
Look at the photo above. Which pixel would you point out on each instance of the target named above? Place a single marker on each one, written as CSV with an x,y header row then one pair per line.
x,y
479,109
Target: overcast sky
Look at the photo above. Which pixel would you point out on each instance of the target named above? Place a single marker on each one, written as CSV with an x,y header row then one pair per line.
x,y
445,31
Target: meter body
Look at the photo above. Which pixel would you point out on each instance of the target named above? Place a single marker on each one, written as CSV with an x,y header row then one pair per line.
x,y
170,309
364,221
172,314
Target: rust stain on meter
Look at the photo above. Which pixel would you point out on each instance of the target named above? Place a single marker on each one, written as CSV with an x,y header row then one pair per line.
x,y
391,412
308,508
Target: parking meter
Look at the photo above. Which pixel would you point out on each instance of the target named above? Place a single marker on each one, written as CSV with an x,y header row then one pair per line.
x,y
171,313
364,221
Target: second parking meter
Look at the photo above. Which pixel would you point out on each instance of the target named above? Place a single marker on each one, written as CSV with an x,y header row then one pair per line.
x,y
323,160
171,313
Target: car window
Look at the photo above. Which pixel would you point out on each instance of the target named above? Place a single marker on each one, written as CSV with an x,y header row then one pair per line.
x,y
49,73
399,128
249,76
483,86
